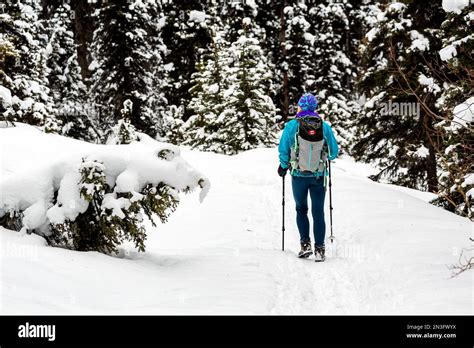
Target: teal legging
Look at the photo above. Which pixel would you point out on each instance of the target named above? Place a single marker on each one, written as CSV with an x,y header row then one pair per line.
x,y
317,192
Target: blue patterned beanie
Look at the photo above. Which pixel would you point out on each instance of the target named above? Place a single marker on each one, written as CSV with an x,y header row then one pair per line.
x,y
308,102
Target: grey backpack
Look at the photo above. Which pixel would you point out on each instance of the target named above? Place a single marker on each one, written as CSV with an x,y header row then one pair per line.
x,y
309,152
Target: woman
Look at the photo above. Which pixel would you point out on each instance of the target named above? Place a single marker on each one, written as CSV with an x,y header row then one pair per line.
x,y
307,177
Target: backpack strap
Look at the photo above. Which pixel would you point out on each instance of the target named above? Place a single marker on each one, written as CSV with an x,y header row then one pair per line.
x,y
296,149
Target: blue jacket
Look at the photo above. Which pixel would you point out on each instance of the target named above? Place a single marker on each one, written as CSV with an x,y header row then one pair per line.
x,y
288,140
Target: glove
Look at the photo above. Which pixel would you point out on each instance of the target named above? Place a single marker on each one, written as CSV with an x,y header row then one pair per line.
x,y
282,171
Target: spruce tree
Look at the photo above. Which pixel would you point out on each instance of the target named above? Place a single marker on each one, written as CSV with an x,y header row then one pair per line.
x,y
128,55
248,119
395,127
25,95
456,157
333,72
64,76
185,33
297,65
209,82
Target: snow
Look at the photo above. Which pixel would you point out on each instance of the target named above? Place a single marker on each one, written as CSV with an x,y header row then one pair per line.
x,y
463,114
94,65
309,37
468,180
374,100
429,82
396,6
214,88
224,256
422,152
448,52
419,42
30,175
197,16
5,96
371,34
252,4
455,6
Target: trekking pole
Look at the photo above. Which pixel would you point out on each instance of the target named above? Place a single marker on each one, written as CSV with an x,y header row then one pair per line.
x,y
330,202
283,217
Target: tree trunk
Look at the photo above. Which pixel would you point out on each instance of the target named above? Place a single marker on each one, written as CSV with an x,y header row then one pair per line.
x,y
431,170
83,31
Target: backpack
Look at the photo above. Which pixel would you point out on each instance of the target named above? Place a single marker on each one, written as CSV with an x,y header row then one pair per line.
x,y
309,153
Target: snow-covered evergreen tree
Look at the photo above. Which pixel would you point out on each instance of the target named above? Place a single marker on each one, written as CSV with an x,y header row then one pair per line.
x,y
201,130
232,13
173,122
231,96
395,127
64,75
128,55
298,58
333,73
185,33
24,92
248,119
456,158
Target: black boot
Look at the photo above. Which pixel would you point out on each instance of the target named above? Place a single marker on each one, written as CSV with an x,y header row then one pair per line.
x,y
319,253
305,251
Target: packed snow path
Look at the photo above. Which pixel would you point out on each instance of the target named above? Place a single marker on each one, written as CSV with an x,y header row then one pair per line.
x,y
224,256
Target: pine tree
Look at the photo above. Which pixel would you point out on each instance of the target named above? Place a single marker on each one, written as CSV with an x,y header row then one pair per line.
x,y
232,13
128,55
333,72
248,119
185,33
456,152
26,97
200,130
64,75
396,123
298,56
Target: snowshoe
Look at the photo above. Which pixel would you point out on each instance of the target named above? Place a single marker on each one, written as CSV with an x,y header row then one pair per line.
x,y
305,251
319,253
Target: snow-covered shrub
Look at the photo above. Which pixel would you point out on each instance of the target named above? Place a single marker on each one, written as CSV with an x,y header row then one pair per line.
x,y
84,196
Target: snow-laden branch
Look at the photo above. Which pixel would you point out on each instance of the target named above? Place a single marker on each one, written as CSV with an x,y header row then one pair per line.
x,y
54,182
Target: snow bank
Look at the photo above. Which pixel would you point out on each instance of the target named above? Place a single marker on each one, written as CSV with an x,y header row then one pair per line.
x,y
392,253
36,167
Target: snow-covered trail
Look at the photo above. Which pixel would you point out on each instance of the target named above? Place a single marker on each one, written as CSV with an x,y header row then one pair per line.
x,y
224,256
